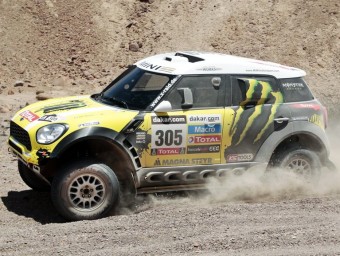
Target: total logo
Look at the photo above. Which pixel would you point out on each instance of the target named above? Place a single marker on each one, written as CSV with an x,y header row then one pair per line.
x,y
204,139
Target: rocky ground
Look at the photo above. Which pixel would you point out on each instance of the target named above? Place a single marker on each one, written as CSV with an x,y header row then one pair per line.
x,y
51,48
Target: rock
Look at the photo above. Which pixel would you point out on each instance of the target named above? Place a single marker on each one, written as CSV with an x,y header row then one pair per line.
x,y
21,70
60,81
18,83
43,96
146,1
39,92
134,47
4,109
10,92
88,74
214,45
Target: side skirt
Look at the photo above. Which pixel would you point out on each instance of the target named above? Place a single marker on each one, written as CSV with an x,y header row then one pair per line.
x,y
163,179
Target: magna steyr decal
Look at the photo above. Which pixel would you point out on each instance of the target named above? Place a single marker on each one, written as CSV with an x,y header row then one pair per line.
x,y
194,161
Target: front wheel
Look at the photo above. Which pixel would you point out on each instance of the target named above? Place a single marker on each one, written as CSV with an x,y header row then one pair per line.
x,y
302,162
85,192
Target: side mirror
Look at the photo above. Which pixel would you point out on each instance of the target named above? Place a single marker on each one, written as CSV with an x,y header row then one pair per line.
x,y
164,106
187,98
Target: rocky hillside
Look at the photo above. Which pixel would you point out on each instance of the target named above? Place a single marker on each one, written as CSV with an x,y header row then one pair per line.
x,y
57,47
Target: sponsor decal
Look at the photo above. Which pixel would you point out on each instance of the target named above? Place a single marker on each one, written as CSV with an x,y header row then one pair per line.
x,y
204,129
50,118
140,137
316,119
203,149
168,119
168,131
262,70
239,157
165,90
293,86
213,118
204,139
167,151
157,67
194,161
28,115
43,154
315,107
209,68
89,124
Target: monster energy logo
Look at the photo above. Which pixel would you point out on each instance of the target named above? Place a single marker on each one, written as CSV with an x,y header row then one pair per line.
x,y
257,92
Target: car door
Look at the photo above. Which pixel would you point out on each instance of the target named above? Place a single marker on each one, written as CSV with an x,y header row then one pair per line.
x,y
190,133
255,113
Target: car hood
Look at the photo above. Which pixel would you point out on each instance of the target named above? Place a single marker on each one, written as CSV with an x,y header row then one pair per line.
x,y
77,112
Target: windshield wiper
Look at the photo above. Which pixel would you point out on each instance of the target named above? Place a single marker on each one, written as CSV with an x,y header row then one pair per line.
x,y
115,100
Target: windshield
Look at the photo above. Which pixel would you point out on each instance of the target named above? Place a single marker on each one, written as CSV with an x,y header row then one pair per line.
x,y
134,89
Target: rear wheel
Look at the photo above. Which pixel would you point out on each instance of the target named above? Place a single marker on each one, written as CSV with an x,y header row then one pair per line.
x,y
85,191
31,179
302,162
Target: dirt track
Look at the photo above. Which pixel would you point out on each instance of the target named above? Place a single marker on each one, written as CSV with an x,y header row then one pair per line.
x,y
52,48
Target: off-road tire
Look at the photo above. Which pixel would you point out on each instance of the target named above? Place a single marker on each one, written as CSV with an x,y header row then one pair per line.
x,y
303,162
85,191
31,179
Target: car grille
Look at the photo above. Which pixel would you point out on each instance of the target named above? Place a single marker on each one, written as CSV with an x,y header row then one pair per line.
x,y
20,135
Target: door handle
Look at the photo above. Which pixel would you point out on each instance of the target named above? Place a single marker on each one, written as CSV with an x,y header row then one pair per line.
x,y
280,120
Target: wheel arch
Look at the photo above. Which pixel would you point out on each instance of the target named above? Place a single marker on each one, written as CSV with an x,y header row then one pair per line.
x,y
311,137
100,144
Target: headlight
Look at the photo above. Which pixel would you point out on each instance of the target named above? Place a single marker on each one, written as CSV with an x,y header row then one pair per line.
x,y
50,133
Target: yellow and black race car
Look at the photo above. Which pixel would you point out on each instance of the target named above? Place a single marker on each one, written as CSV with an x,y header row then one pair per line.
x,y
168,123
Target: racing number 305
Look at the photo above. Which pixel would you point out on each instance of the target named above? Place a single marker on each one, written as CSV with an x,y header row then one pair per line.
x,y
169,137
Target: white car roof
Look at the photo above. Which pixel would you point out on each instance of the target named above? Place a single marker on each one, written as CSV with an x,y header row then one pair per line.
x,y
191,63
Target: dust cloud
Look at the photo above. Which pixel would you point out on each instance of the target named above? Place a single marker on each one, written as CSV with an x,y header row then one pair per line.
x,y
258,185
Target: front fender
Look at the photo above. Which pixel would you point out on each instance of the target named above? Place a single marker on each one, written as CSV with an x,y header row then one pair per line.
x,y
83,134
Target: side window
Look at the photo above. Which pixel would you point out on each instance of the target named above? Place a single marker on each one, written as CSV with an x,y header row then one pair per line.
x,y
254,91
207,91
295,89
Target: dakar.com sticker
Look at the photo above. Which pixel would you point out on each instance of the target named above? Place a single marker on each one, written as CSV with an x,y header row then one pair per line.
x,y
206,118
168,132
29,116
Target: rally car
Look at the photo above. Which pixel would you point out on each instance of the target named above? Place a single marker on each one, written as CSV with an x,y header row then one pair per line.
x,y
168,123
